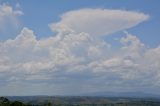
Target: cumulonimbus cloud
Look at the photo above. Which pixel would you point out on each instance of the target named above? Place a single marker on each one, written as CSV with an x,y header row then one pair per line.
x,y
76,60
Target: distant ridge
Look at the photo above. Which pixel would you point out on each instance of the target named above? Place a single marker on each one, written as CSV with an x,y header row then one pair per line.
x,y
97,94
123,94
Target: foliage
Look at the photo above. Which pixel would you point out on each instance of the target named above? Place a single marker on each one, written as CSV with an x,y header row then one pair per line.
x,y
79,101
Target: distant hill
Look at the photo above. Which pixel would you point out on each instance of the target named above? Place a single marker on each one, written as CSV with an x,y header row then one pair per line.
x,y
87,100
123,94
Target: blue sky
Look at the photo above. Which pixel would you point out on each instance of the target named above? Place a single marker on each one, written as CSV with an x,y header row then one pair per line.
x,y
37,15
54,47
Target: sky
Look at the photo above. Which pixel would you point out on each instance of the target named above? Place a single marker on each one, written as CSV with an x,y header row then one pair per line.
x,y
55,47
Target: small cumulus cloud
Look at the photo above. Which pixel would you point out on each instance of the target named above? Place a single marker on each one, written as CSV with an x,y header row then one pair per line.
x,y
8,17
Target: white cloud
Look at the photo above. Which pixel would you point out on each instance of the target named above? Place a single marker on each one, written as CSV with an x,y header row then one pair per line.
x,y
76,57
8,17
98,21
76,60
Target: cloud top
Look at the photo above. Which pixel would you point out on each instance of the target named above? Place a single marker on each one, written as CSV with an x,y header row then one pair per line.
x,y
99,22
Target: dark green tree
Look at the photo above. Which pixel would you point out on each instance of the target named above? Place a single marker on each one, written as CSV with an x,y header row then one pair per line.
x,y
4,101
17,103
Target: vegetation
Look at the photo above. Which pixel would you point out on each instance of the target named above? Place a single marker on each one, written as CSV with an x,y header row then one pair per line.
x,y
77,101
